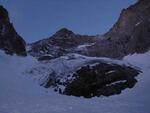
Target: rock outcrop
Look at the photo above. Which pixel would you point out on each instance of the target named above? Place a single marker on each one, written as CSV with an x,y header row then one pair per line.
x,y
10,41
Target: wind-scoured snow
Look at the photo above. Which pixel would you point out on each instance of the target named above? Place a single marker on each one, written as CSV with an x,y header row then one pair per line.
x,y
21,94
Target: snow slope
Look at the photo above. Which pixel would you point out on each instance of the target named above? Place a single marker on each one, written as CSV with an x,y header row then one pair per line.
x,y
20,94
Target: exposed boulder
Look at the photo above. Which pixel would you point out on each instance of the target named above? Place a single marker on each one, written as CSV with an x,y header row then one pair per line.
x,y
10,41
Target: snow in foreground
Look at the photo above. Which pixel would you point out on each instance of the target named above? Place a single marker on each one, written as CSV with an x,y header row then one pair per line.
x,y
20,94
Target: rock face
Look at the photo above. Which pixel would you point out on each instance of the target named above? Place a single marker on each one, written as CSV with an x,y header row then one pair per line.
x,y
10,41
130,34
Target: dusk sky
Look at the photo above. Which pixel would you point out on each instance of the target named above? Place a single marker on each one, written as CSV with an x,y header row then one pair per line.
x,y
38,19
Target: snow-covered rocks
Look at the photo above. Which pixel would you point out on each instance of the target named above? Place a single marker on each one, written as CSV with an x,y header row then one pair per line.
x,y
80,75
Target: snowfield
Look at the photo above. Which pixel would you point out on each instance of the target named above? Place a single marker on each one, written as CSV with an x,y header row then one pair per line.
x,y
21,94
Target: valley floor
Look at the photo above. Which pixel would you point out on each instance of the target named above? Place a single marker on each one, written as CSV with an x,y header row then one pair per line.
x,y
19,94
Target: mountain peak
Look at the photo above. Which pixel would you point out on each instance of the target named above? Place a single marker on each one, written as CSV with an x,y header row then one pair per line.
x,y
63,32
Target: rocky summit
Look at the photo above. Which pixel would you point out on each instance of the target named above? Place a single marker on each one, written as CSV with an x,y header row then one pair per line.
x,y
10,41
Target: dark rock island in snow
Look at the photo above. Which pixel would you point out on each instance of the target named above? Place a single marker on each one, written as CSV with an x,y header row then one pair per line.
x,y
101,79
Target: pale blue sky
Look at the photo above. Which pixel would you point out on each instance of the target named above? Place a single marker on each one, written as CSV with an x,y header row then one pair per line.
x,y
38,19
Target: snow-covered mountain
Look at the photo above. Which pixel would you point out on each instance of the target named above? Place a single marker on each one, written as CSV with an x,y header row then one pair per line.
x,y
76,66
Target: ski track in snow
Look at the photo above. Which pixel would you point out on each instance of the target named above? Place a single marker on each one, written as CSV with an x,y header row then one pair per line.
x,y
20,94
